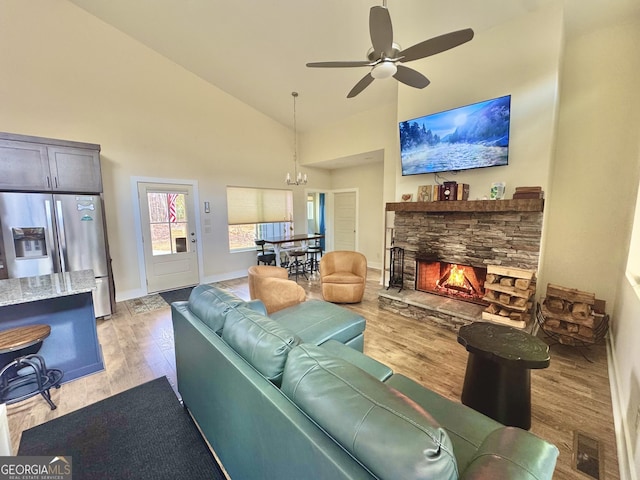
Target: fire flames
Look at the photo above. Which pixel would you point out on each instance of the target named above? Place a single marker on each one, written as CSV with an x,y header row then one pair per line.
x,y
456,277
462,282
455,280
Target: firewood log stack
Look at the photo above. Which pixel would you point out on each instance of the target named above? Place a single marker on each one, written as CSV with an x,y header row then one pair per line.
x,y
572,315
509,292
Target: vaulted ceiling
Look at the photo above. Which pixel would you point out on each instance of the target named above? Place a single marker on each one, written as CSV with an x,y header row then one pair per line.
x,y
256,50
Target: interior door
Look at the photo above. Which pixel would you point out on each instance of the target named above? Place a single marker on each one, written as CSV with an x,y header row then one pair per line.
x,y
169,236
344,214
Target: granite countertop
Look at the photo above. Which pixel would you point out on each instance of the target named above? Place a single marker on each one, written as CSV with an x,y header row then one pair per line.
x,y
29,289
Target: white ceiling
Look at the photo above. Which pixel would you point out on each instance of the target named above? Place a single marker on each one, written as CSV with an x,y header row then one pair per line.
x,y
257,50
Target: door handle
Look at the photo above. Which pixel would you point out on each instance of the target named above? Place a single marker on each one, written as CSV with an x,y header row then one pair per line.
x,y
61,236
55,252
193,240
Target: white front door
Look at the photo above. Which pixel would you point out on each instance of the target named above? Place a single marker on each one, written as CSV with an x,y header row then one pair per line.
x,y
169,236
344,220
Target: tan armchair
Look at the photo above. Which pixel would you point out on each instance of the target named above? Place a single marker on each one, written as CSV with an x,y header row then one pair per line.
x,y
343,275
272,285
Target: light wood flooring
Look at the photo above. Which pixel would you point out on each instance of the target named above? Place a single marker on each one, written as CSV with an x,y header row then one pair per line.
x,y
137,343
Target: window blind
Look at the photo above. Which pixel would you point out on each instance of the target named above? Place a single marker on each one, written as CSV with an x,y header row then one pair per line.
x,y
258,205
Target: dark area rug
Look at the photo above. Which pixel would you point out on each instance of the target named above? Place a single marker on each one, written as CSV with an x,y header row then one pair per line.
x,y
142,433
176,295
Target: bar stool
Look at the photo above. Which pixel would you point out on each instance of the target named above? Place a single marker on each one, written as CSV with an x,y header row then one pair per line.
x,y
297,266
24,374
312,258
312,255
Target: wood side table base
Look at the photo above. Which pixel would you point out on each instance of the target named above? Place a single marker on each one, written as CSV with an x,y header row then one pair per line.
x,y
500,391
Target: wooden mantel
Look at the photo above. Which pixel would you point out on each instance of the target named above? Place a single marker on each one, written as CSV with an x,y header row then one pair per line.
x,y
518,205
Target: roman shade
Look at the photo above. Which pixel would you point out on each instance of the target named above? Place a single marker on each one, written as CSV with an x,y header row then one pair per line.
x,y
258,205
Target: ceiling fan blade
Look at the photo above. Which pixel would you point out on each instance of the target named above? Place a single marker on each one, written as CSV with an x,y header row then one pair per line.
x,y
410,77
361,85
436,45
381,31
363,63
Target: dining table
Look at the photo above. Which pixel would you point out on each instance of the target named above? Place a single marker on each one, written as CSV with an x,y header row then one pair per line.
x,y
298,242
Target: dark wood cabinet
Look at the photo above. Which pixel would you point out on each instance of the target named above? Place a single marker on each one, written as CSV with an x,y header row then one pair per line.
x,y
24,166
75,169
43,164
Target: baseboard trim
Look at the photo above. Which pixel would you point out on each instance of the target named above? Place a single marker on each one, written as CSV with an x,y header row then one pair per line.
x,y
623,439
225,276
130,294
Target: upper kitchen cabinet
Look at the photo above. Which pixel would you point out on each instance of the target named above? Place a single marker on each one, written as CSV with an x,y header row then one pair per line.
x,y
24,166
75,169
45,164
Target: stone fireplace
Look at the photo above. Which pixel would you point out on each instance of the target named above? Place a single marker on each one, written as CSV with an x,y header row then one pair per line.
x,y
468,235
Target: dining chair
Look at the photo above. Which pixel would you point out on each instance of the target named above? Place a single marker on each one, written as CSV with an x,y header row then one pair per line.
x,y
264,256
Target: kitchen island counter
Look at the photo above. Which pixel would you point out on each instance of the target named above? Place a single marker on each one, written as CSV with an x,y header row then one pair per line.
x,y
63,301
22,290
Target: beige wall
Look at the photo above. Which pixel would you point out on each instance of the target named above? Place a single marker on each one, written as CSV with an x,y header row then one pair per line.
x,y
365,132
370,131
595,183
65,74
595,175
368,181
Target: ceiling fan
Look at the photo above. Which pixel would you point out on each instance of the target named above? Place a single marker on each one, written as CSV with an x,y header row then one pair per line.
x,y
386,58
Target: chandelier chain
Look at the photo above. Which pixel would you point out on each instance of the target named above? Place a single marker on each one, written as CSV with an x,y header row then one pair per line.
x,y
298,178
295,134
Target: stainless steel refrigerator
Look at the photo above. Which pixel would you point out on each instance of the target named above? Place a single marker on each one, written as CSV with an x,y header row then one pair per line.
x,y
45,233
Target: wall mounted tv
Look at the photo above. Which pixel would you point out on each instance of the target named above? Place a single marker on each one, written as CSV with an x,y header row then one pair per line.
x,y
473,136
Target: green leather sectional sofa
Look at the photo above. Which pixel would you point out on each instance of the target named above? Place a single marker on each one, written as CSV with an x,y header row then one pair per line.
x,y
283,397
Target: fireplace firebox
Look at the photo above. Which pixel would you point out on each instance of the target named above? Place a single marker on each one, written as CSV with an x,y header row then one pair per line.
x,y
461,282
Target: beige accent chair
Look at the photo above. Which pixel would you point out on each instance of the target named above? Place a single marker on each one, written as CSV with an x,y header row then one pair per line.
x,y
343,275
272,285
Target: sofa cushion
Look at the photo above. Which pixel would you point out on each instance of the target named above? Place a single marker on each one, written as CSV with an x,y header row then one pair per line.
x,y
385,430
466,428
259,340
210,305
316,321
359,359
346,278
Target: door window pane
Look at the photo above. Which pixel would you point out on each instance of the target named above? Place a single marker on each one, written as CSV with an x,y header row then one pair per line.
x,y
168,223
160,239
158,210
179,237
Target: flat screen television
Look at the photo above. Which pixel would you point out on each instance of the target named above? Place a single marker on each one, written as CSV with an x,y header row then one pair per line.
x,y
473,136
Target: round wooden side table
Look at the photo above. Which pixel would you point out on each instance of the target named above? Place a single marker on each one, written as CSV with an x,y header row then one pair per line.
x,y
497,380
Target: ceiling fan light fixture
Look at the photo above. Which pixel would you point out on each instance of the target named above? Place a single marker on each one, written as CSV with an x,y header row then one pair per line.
x,y
384,53
384,69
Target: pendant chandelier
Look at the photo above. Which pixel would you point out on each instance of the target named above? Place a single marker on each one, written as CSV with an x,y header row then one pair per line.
x,y
298,177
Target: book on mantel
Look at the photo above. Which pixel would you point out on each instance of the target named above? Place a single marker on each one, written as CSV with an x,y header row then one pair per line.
x,y
528,192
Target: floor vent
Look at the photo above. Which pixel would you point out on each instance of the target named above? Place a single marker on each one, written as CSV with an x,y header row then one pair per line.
x,y
588,455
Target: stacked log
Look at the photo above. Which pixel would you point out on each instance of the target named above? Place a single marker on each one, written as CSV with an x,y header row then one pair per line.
x,y
509,292
573,315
